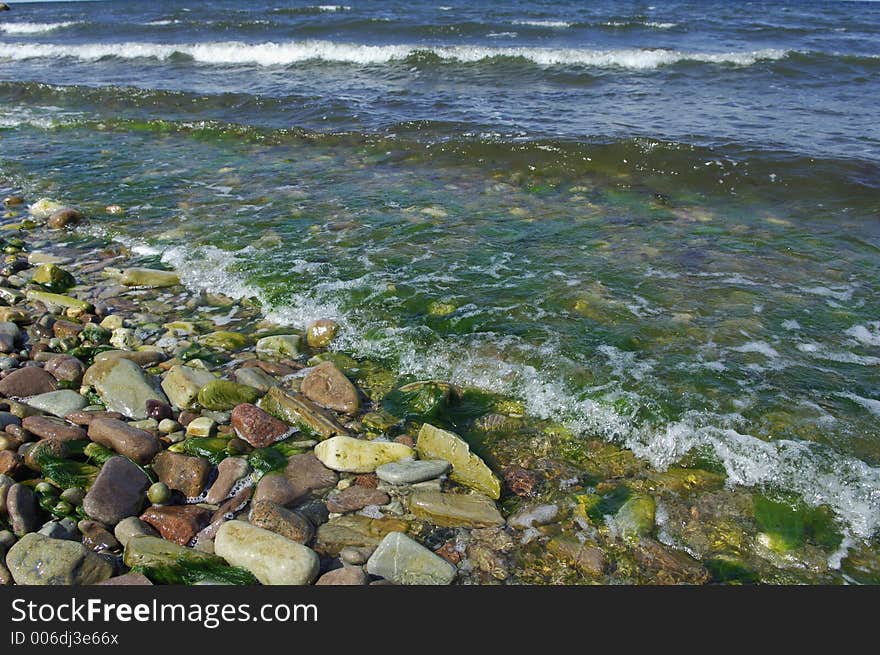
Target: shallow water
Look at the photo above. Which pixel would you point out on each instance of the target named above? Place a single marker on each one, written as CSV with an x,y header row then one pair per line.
x,y
656,223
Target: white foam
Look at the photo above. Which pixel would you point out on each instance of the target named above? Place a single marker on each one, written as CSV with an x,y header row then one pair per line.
x,y
34,28
870,404
867,334
760,347
820,351
282,54
543,23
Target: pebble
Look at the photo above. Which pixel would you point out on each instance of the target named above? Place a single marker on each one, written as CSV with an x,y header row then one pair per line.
x,y
48,428
22,509
183,473
354,498
533,515
347,575
26,382
280,520
131,527
229,471
39,560
138,445
257,427
409,472
177,523
359,455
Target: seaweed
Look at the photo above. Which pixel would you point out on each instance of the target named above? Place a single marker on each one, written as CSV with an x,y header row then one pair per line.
x,y
196,572
65,473
268,459
214,449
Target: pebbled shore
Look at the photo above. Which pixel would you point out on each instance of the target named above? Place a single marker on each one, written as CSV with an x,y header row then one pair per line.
x,y
152,435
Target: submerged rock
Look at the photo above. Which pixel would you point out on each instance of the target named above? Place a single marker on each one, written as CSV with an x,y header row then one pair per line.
x,y
223,395
354,530
410,472
53,278
298,411
280,346
327,386
452,510
403,560
273,559
148,277
320,333
280,520
467,468
39,560
123,386
358,455
635,517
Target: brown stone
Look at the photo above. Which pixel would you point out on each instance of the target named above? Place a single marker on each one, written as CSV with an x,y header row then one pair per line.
x,y
27,381
406,440
183,473
64,217
272,368
327,386
370,480
134,443
668,566
177,523
49,428
66,329
303,474
347,575
354,530
118,492
280,520
129,579
257,427
589,560
354,498
85,418
96,537
229,471
227,511
10,463
449,552
22,509
65,368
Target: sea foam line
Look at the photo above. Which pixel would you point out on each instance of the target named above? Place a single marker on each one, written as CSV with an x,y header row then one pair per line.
x,y
34,28
281,54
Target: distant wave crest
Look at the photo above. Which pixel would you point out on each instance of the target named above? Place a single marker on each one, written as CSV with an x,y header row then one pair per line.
x,y
34,28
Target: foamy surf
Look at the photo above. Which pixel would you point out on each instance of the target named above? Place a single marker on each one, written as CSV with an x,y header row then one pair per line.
x,y
34,28
282,54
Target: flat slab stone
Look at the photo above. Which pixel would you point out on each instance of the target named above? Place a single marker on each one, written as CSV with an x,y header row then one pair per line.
x,y
39,560
454,510
410,472
403,560
57,403
467,468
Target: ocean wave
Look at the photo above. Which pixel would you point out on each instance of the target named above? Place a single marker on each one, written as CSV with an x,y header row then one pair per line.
x,y
281,54
35,28
543,23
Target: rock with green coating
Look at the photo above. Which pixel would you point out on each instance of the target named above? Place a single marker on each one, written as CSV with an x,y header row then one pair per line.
x,y
296,410
635,518
467,468
403,560
273,559
256,378
359,455
148,277
57,403
144,550
320,333
58,300
223,395
456,510
123,386
280,346
53,278
182,384
36,559
44,208
225,340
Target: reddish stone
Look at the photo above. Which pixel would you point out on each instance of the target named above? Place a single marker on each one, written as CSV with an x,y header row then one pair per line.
x,y
406,440
27,381
448,552
354,498
370,480
47,428
520,481
177,523
10,463
257,427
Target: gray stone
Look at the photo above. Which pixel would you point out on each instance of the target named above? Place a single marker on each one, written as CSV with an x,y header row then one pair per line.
x,y
354,555
10,335
39,560
229,471
22,509
256,378
403,560
272,559
63,529
347,575
131,527
57,403
409,472
533,515
118,492
123,386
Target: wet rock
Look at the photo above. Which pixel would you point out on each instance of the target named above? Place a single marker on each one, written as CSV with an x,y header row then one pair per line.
x,y
139,357
257,427
586,558
225,340
177,523
48,428
125,339
10,336
347,575
354,498
354,555
58,403
65,368
410,472
299,411
667,565
533,515
22,509
256,378
272,559
467,468
303,474
63,529
95,536
138,445
127,580
356,531
154,551
64,218
148,277
519,481
200,427
123,386
118,492
635,517
39,560
320,333
224,395
10,463
86,417
229,471
131,527
183,473
280,346
28,381
403,560
327,386
450,510
358,455
280,520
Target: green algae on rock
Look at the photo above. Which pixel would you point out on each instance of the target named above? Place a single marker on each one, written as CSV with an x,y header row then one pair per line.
x,y
467,468
224,395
